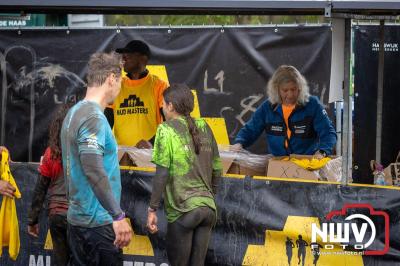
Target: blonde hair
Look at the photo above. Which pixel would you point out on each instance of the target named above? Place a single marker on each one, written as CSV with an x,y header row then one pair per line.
x,y
100,66
285,74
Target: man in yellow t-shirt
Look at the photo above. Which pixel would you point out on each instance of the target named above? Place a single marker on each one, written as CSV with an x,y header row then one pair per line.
x,y
137,110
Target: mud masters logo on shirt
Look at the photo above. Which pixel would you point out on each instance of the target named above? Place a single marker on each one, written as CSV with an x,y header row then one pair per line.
x,y
132,105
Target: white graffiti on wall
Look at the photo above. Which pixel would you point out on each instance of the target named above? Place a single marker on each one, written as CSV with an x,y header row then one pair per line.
x,y
45,78
30,86
5,87
247,108
316,91
220,81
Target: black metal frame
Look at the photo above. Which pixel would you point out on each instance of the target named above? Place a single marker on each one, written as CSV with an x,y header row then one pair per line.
x,y
345,9
270,7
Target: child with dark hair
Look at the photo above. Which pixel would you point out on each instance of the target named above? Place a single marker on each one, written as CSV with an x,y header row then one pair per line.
x,y
51,182
188,170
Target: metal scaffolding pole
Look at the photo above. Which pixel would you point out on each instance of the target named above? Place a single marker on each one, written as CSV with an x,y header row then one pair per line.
x,y
379,101
339,108
346,152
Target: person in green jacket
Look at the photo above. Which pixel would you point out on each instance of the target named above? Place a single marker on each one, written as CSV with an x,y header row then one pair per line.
x,y
188,168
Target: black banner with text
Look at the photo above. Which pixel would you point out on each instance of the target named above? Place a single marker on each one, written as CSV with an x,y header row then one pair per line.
x,y
229,67
366,59
260,222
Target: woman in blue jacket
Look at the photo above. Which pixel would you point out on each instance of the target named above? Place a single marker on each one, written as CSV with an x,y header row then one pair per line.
x,y
294,121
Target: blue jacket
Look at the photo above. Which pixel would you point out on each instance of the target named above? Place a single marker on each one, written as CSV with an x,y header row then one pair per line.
x,y
310,126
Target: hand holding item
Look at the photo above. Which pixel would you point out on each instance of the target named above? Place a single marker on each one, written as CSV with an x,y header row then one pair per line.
x,y
144,144
236,147
6,189
319,155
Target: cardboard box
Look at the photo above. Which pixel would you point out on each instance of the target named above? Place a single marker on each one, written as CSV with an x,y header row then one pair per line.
x,y
243,163
288,169
332,171
227,160
392,172
242,169
125,160
132,156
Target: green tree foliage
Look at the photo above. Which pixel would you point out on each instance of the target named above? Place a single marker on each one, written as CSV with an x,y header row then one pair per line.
x,y
143,20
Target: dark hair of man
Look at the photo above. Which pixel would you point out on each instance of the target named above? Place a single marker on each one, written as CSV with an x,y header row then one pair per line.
x,y
55,129
183,101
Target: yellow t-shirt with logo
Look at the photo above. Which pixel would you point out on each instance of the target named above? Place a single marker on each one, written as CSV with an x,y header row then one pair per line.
x,y
137,109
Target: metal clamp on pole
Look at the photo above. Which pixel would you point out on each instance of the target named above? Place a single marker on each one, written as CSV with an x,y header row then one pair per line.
x,y
328,9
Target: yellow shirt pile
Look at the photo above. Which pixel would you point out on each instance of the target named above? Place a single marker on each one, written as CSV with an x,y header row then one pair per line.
x,y
311,164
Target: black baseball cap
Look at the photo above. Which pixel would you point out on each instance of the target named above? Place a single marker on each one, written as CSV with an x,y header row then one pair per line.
x,y
135,46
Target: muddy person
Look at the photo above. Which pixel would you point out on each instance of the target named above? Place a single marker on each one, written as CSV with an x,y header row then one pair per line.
x,y
97,229
188,168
